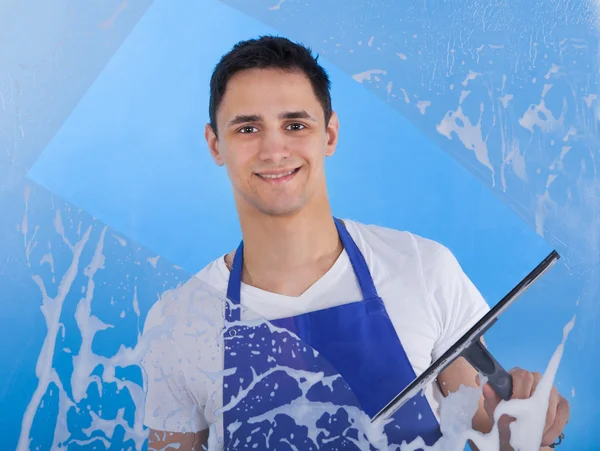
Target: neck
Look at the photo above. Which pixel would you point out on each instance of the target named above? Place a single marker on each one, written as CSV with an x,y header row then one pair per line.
x,y
286,255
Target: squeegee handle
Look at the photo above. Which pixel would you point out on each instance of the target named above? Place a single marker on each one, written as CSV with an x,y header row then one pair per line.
x,y
498,378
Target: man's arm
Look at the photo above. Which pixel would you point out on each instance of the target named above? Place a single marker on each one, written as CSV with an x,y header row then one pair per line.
x,y
181,441
458,305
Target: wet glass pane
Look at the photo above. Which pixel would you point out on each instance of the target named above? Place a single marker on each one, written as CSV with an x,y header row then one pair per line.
x,y
468,133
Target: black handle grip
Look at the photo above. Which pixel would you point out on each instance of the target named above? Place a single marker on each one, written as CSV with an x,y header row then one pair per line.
x,y
498,378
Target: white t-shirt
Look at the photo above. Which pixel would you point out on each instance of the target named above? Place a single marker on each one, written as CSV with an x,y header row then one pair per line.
x,y
430,300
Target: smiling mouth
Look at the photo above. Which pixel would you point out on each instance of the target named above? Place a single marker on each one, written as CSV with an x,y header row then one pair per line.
x,y
279,175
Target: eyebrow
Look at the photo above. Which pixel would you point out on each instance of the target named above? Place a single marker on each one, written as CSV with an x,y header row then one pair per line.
x,y
243,118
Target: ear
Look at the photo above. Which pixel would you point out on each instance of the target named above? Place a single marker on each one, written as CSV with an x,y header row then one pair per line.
x,y
213,145
332,134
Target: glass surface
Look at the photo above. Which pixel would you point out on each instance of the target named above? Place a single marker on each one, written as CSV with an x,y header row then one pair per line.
x,y
471,124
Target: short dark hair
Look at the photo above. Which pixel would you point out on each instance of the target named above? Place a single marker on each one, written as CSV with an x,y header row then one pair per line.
x,y
268,52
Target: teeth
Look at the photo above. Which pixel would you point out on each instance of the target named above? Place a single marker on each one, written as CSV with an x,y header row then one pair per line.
x,y
278,176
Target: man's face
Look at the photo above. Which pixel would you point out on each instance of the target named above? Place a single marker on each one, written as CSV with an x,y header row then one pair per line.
x,y
273,141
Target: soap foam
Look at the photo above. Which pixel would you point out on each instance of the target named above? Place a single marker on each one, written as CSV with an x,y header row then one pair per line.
x,y
530,414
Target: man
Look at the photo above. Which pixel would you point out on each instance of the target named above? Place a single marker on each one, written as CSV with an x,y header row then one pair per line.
x,y
310,312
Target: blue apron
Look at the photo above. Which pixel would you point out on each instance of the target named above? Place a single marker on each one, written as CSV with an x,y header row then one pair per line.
x,y
298,382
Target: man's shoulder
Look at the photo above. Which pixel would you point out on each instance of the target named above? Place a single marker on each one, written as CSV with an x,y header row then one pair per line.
x,y
401,241
215,274
200,295
440,269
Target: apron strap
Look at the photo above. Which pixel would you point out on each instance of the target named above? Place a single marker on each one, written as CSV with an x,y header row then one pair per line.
x,y
234,287
361,270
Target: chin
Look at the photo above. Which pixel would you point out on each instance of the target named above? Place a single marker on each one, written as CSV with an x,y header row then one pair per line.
x,y
280,210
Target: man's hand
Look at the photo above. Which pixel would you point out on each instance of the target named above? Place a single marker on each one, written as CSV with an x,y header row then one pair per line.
x,y
524,385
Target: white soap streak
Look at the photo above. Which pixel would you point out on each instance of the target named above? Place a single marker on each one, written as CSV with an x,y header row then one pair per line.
x,y
307,413
527,431
131,356
290,445
456,414
470,76
163,438
541,117
120,240
310,379
217,376
509,145
422,105
366,75
457,122
406,98
153,260
554,69
572,131
61,430
89,441
212,438
106,426
277,6
468,133
48,258
136,305
84,360
51,309
304,412
505,99
329,380
517,160
589,99
255,322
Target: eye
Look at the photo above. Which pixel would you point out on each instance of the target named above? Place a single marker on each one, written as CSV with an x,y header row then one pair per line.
x,y
247,129
296,126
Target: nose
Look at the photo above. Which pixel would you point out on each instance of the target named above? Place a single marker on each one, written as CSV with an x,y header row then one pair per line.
x,y
274,147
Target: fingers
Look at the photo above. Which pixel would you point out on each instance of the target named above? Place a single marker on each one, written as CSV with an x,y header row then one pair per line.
x,y
561,418
490,394
490,400
523,383
537,378
557,415
552,410
552,402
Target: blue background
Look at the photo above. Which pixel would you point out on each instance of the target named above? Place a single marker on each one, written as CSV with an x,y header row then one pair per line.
x,y
116,144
